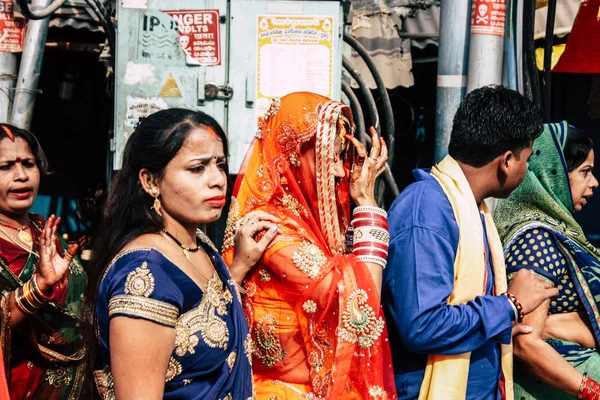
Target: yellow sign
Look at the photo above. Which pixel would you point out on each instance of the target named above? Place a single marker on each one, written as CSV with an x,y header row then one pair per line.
x,y
295,53
170,88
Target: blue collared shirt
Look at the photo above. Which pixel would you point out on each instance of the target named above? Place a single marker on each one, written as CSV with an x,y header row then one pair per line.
x,y
417,282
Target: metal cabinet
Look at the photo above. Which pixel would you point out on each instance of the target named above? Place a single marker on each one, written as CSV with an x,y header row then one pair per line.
x,y
223,57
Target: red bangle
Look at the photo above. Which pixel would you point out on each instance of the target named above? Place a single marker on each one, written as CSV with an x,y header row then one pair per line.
x,y
370,252
376,218
589,389
368,245
518,306
367,222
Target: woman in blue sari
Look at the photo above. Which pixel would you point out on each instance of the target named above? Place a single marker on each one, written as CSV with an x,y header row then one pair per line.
x,y
539,233
168,317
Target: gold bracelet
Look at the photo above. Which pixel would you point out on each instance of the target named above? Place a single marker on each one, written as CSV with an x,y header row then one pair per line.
x,y
19,302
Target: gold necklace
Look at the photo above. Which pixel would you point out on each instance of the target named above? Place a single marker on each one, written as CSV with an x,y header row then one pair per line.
x,y
186,251
23,235
18,243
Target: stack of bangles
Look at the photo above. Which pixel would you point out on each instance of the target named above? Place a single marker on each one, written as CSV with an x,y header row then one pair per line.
x,y
589,389
29,297
518,306
371,238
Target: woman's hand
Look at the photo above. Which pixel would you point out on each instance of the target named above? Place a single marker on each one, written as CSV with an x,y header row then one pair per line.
x,y
247,249
366,169
52,267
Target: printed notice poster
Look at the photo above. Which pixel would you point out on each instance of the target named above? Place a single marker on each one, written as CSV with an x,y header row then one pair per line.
x,y
488,17
199,35
11,29
295,53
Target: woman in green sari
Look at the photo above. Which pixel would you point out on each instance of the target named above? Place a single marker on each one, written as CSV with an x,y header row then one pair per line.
x,y
539,233
41,282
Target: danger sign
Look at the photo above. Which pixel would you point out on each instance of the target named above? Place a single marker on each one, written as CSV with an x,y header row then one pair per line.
x,y
488,17
199,35
11,29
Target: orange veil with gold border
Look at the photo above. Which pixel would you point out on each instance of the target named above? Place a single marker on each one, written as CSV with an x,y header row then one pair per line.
x,y
314,314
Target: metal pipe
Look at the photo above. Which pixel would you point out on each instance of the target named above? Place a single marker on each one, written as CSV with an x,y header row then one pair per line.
x,y
547,103
34,13
359,118
8,77
453,56
530,72
368,96
360,125
31,65
486,48
387,105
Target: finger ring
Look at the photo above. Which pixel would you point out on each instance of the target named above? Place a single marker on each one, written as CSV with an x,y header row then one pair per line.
x,y
254,222
374,159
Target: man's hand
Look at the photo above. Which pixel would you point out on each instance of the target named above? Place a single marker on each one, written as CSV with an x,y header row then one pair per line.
x,y
531,289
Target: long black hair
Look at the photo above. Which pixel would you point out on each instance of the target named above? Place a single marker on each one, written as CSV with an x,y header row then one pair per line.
x,y
577,147
126,214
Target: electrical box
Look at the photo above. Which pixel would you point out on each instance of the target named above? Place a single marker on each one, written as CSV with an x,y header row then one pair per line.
x,y
227,58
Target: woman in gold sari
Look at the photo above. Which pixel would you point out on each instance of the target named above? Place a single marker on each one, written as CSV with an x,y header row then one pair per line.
x,y
313,308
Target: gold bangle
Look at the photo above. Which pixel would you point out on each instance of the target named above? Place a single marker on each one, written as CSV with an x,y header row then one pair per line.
x,y
38,292
30,297
19,303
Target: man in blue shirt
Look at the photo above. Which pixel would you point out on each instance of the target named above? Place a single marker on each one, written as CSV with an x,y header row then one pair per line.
x,y
492,136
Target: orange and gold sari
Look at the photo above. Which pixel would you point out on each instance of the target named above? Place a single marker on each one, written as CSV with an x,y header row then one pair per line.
x,y
314,314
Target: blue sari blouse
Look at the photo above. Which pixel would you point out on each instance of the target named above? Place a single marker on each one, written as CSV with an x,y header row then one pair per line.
x,y
212,354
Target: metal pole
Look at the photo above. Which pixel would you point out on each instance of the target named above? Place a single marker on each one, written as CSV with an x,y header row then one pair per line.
x,y
486,50
31,65
8,77
453,55
547,103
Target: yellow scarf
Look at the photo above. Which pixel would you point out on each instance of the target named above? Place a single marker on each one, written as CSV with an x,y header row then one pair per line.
x,y
446,375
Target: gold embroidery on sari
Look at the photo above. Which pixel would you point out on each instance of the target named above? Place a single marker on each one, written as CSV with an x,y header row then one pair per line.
x,y
309,259
140,282
153,310
264,275
186,382
248,348
105,384
232,224
268,348
309,306
205,239
231,360
75,267
291,203
360,323
377,392
58,377
228,397
173,369
204,319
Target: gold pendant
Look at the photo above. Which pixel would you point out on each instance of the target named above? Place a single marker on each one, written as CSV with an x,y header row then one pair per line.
x,y
25,237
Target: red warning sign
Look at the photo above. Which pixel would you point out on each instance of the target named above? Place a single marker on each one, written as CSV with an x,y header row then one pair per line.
x,y
11,28
488,17
199,35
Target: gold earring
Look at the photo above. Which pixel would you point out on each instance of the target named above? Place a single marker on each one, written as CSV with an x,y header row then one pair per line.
x,y
157,205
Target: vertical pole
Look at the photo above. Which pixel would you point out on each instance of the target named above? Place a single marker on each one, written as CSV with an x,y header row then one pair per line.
x,y
486,52
31,65
453,55
8,77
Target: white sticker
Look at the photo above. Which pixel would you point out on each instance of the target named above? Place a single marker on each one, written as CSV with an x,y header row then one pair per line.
x,y
135,4
139,74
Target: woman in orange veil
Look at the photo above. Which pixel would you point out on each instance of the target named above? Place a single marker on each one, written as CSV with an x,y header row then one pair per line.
x,y
313,307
